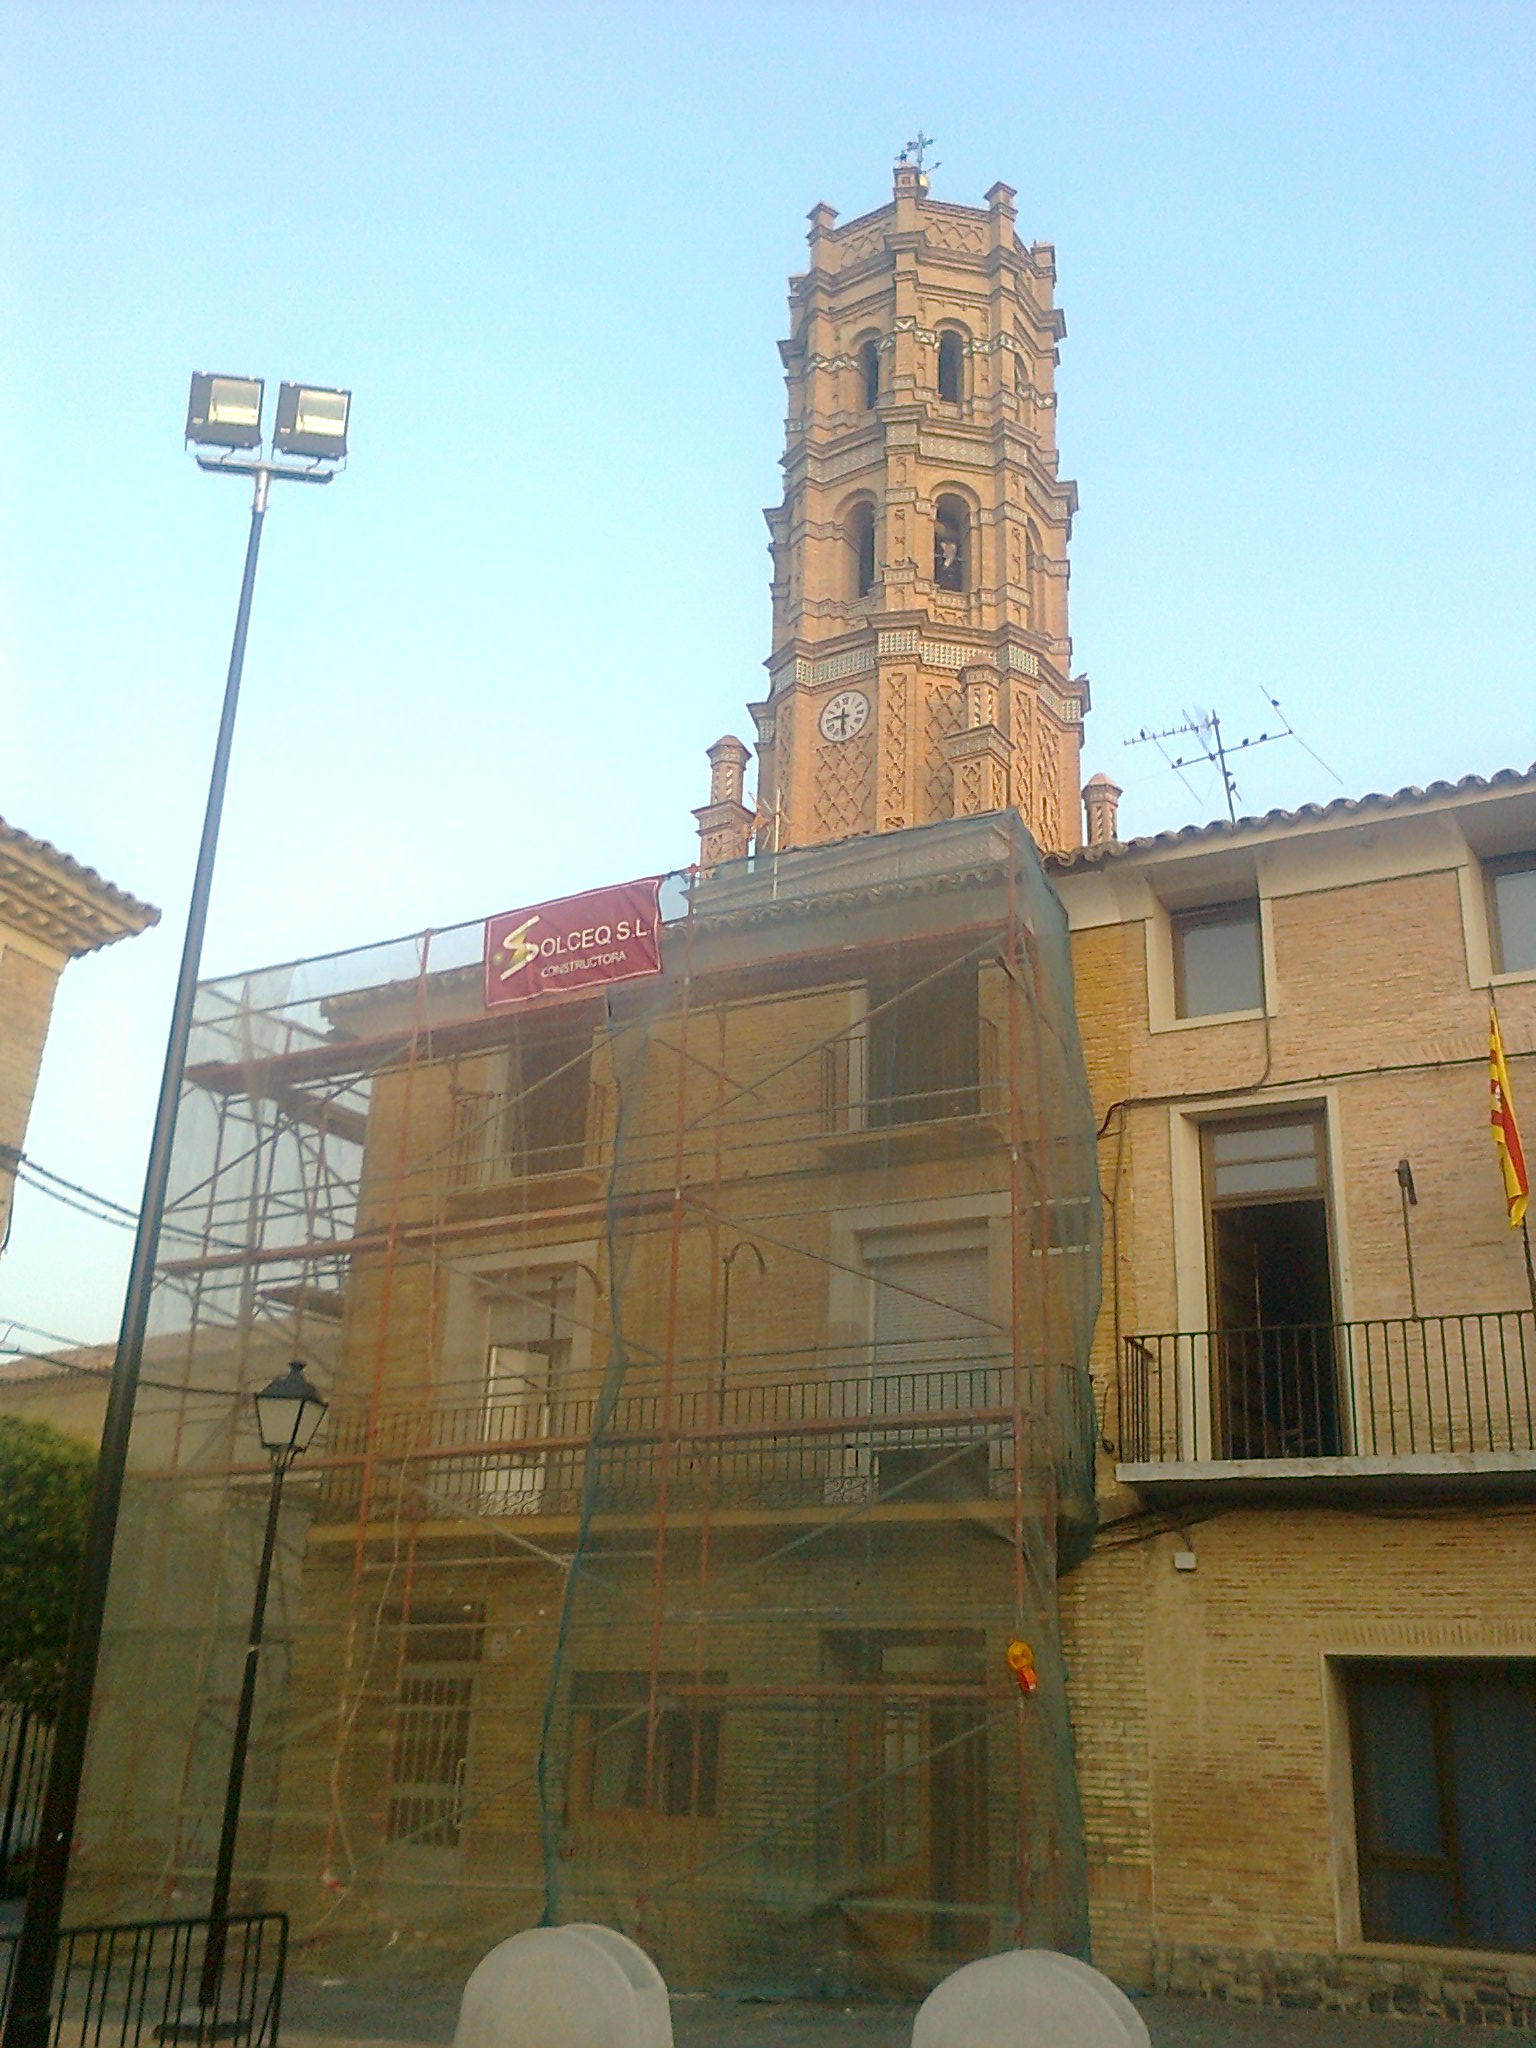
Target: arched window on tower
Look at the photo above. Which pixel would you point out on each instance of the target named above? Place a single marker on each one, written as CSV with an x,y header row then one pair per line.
x,y
869,374
1037,580
861,540
1020,375
951,367
952,544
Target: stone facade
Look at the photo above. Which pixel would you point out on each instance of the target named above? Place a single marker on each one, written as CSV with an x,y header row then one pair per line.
x,y
1408,1985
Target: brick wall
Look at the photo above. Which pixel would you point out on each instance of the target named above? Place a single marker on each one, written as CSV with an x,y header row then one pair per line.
x,y
1220,1844
26,1003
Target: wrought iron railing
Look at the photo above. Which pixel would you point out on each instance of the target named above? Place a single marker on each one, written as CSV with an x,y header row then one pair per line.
x,y
136,1984
26,1744
939,1432
1390,1387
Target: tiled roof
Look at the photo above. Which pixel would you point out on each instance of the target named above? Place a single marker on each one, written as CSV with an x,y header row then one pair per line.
x,y
1507,779
59,900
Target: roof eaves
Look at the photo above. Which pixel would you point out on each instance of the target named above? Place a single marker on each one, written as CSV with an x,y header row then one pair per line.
x,y
1505,779
63,900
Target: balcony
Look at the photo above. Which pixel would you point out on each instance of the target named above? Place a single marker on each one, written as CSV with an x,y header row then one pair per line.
x,y
822,1444
1401,1407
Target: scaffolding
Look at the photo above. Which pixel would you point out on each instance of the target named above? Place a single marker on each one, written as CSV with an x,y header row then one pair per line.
x,y
710,1425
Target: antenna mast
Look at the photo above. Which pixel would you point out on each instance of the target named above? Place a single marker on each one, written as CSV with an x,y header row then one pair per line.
x,y
1205,726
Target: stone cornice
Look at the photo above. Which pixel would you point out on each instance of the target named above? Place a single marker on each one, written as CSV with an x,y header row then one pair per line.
x,y
50,898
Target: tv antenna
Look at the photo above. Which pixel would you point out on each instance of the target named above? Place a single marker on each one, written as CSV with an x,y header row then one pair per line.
x,y
1205,728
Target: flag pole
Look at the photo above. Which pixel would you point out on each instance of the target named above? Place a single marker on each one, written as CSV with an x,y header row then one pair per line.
x,y
1507,1139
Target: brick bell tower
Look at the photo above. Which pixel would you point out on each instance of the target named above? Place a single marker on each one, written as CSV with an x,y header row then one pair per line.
x,y
921,664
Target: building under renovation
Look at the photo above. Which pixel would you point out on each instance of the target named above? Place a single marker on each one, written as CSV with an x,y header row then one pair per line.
x,y
888,1397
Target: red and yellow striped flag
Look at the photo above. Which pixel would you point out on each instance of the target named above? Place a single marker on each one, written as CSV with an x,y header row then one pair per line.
x,y
1506,1132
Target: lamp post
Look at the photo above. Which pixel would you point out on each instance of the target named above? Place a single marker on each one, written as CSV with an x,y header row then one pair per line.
x,y
288,1412
308,443
1410,1195
742,1244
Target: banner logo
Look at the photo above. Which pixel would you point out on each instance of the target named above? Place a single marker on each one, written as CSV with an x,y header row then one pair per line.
x,y
576,942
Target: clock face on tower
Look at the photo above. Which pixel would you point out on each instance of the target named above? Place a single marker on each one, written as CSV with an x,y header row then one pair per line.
x,y
844,716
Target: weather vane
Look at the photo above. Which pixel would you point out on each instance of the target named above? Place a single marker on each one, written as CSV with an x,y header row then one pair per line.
x,y
913,153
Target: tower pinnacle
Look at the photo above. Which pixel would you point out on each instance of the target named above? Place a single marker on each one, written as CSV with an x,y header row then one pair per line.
x,y
921,666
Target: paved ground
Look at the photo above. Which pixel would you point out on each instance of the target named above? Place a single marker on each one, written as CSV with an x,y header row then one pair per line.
x,y
325,2013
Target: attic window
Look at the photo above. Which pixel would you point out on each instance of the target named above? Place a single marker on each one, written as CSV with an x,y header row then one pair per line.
x,y
1218,961
1512,904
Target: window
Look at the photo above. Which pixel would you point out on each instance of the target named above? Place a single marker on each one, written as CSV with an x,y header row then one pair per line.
x,y
933,1336
952,544
1062,1224
951,366
430,1745
544,1123
610,1719
530,1323
861,540
1272,1355
924,1048
1218,962
1020,375
532,1117
1512,918
869,374
1445,1800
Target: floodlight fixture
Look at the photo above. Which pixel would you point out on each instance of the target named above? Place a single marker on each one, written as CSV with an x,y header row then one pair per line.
x,y
225,412
311,421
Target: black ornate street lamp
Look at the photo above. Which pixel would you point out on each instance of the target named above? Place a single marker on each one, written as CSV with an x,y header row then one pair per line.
x,y
288,1412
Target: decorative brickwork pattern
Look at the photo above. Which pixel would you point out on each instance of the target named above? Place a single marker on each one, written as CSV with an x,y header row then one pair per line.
x,y
845,787
1045,812
894,774
1020,731
945,715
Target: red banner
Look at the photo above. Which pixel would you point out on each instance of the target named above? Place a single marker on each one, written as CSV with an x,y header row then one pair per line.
x,y
577,942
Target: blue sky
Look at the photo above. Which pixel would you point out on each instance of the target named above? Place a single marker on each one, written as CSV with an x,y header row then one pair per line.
x,y
547,248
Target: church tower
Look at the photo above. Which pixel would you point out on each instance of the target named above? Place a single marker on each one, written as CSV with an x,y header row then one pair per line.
x,y
921,667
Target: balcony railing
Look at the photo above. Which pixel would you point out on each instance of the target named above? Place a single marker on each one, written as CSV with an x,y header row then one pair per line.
x,y
26,1745
1392,1388
138,1983
936,1433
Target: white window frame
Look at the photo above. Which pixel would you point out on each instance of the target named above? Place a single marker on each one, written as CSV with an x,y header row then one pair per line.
x,y
1186,1122
1162,1002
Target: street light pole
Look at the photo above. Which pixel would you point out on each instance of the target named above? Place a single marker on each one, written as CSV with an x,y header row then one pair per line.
x,y
218,1911
284,1445
28,2019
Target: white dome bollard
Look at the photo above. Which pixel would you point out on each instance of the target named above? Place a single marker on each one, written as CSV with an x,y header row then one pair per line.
x,y
1028,1998
579,1986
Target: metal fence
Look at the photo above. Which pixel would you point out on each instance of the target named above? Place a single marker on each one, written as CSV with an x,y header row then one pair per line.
x,y
120,1987
1392,1387
26,1744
